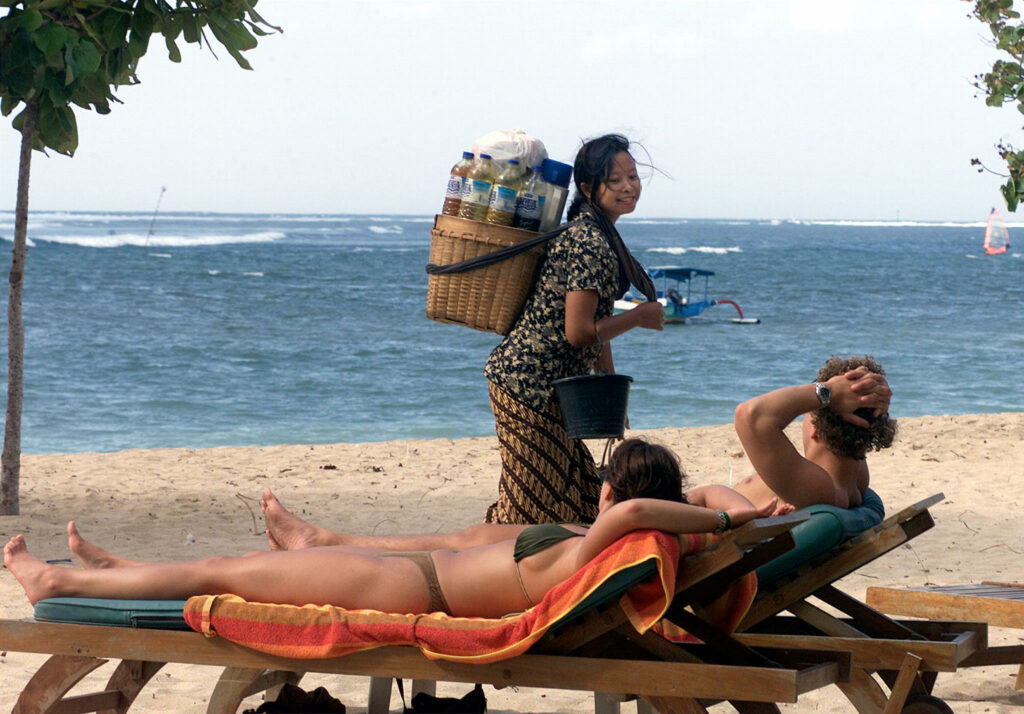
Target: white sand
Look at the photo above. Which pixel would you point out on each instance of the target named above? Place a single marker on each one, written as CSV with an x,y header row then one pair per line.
x,y
143,504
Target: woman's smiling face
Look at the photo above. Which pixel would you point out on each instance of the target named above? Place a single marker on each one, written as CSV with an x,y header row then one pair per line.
x,y
618,195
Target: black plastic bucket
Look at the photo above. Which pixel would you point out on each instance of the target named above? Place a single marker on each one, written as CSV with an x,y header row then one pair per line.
x,y
594,405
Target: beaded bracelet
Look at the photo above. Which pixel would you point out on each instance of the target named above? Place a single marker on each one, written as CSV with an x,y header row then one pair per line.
x,y
724,522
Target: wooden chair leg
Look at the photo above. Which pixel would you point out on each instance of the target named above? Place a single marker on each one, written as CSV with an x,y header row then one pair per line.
x,y
1019,684
605,703
129,678
904,681
379,701
237,683
53,680
424,686
864,692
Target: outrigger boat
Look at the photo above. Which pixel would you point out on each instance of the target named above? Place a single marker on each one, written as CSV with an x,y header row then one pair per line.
x,y
669,282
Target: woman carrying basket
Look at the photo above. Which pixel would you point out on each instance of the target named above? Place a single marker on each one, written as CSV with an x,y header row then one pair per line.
x,y
565,330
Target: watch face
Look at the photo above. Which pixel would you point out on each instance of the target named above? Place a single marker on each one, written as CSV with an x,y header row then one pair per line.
x,y
824,394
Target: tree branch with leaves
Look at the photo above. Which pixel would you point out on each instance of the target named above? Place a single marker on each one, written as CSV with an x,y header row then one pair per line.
x,y
59,53
1004,84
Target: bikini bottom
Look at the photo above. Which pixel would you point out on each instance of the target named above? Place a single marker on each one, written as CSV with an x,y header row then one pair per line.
x,y
425,563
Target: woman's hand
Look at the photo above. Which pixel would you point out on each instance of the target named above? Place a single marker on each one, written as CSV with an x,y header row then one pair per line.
x,y
650,315
740,514
783,508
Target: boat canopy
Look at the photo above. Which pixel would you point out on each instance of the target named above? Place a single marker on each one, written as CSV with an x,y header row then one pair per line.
x,y
673,272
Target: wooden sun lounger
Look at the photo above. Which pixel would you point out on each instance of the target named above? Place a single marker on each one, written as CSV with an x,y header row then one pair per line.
x,y
998,604
600,652
905,655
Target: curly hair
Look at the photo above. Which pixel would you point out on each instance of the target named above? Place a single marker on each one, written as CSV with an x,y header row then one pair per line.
x,y
640,469
846,439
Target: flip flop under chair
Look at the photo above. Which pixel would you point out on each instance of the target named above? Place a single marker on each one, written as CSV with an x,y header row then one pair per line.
x,y
904,656
592,633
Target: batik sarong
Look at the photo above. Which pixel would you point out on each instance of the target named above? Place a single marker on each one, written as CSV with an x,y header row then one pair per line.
x,y
546,477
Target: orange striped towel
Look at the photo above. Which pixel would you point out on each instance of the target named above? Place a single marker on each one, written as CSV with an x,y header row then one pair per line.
x,y
319,631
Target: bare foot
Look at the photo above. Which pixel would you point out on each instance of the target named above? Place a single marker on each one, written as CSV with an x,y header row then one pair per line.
x,y
91,555
38,578
285,530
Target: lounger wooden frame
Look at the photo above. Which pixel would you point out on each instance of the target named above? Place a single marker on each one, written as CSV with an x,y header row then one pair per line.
x,y
672,678
905,655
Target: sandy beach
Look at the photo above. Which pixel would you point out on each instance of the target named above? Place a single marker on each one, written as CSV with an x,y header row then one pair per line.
x,y
152,504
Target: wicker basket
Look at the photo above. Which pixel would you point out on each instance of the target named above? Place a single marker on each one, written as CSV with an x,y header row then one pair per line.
x,y
488,299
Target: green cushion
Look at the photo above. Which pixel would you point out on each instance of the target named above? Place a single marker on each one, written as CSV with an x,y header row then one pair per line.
x,y
143,614
827,528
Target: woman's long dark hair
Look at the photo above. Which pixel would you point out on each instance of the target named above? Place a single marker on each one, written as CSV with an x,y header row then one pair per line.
x,y
593,165
640,469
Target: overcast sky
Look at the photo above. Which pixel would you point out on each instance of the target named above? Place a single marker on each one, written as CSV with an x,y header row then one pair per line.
x,y
755,108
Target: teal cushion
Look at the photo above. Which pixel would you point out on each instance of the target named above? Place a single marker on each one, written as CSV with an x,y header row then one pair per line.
x,y
827,528
143,614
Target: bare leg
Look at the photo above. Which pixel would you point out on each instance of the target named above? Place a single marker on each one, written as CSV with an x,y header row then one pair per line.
x,y
286,531
91,555
342,578
33,574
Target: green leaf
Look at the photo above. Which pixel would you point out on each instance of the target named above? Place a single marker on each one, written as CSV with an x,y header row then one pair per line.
x,y
86,57
138,43
173,53
190,26
142,29
57,128
114,27
172,26
50,38
8,104
229,45
239,36
1009,195
30,19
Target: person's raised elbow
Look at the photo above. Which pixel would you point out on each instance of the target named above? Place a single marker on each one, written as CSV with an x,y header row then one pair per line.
x,y
581,334
744,414
634,513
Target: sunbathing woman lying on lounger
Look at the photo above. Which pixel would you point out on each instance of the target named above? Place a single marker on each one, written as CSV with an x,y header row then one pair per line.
x,y
845,416
643,489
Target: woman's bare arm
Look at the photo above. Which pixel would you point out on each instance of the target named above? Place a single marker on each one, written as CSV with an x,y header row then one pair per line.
x,y
582,329
669,516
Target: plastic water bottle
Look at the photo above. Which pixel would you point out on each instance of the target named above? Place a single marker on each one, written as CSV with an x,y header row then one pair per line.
x,y
476,189
557,176
530,202
507,182
453,196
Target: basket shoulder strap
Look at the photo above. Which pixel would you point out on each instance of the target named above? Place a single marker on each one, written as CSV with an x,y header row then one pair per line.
x,y
496,256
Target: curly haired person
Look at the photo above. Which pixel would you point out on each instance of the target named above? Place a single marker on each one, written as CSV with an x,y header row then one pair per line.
x,y
845,416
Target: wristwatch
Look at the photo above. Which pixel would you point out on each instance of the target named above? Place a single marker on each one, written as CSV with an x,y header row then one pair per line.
x,y
823,392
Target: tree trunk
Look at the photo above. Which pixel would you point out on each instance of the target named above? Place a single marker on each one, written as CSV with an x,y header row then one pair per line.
x,y
10,462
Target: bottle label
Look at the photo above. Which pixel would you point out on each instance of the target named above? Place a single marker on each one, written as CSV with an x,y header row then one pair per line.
x,y
503,199
529,205
476,191
454,187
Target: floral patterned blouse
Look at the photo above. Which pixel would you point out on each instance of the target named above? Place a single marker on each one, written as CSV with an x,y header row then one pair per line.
x,y
536,352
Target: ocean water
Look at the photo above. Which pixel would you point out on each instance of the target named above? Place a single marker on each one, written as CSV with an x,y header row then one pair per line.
x,y
232,329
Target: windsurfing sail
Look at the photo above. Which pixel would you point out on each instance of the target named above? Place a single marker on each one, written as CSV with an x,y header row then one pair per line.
x,y
152,223
997,240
